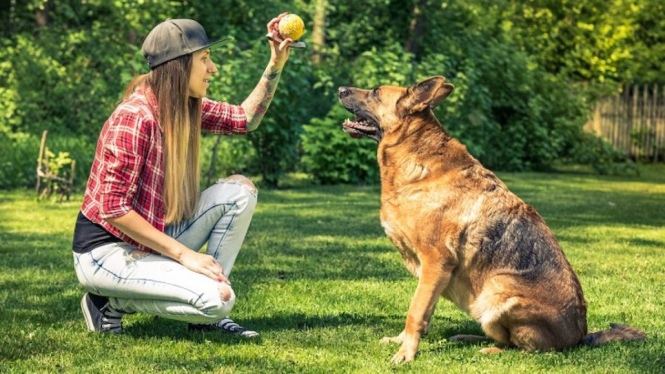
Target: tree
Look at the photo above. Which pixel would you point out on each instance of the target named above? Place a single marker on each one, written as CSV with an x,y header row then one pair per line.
x,y
319,30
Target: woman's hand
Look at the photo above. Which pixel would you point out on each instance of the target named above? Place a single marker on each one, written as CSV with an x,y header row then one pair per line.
x,y
204,264
137,228
279,52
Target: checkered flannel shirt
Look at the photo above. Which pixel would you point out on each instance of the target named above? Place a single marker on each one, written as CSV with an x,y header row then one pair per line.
x,y
128,170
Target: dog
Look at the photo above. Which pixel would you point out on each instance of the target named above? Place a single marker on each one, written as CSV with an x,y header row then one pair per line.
x,y
463,234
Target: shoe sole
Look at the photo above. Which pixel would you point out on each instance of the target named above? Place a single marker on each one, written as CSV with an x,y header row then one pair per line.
x,y
86,314
249,334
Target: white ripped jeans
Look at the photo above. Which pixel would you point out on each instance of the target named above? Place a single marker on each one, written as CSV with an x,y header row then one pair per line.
x,y
137,281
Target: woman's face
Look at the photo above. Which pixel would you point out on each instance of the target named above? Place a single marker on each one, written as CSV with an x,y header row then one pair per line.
x,y
202,70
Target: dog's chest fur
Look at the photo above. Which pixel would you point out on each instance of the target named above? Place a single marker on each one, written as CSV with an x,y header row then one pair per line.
x,y
405,212
396,231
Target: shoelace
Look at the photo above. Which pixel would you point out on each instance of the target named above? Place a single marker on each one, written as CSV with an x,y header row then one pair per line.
x,y
111,319
228,325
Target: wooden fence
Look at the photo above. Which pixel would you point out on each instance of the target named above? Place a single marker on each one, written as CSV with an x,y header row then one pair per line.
x,y
633,121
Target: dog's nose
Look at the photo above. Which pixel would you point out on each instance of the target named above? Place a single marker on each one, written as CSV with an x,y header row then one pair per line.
x,y
344,92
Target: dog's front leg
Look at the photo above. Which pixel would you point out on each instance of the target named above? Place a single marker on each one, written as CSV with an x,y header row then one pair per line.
x,y
433,279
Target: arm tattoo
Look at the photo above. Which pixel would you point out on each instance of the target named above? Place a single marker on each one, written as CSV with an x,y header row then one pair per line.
x,y
259,100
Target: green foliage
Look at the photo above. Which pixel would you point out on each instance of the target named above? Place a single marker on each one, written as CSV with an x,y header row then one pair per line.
x,y
585,40
646,65
275,141
388,66
18,160
56,164
603,158
235,155
19,154
525,72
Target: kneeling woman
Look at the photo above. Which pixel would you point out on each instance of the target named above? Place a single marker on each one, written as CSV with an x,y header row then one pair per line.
x,y
142,223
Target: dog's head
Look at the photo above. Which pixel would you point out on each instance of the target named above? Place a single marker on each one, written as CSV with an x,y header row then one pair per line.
x,y
384,109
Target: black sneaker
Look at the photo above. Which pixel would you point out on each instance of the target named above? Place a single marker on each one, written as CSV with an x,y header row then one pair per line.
x,y
226,325
100,315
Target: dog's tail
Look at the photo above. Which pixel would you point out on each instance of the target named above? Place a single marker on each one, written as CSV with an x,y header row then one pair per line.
x,y
615,333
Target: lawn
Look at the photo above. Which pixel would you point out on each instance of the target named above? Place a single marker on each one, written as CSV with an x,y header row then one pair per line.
x,y
322,284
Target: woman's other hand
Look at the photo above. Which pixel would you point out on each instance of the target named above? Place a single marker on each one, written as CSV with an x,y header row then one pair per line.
x,y
204,264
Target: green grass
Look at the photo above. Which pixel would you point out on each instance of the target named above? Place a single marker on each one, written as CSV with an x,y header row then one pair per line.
x,y
321,282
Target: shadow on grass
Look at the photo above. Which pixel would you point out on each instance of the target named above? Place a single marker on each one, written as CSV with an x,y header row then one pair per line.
x,y
149,327
389,325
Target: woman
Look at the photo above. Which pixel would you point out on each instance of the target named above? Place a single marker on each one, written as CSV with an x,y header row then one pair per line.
x,y
143,221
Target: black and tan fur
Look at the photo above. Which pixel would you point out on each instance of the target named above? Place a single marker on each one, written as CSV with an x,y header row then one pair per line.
x,y
463,234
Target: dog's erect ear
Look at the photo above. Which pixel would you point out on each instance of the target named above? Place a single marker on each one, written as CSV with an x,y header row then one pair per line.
x,y
427,94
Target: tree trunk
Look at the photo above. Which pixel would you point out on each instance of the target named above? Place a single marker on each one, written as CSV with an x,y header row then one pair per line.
x,y
415,27
211,169
42,14
319,30
11,14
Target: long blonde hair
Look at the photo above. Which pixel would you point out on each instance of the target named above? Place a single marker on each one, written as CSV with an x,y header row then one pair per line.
x,y
180,117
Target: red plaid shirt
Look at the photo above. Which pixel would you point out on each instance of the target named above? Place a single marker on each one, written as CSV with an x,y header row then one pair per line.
x,y
128,169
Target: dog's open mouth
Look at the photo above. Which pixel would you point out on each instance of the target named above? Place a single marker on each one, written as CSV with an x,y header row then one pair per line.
x,y
360,127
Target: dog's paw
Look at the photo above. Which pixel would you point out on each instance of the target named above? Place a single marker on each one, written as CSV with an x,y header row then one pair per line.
x,y
491,350
403,356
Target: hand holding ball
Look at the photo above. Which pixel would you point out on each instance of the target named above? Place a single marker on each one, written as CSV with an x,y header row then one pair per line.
x,y
289,27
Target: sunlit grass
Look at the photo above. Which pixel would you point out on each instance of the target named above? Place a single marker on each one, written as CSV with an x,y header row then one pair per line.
x,y
321,282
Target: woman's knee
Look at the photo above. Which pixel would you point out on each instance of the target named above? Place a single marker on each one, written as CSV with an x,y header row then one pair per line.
x,y
220,302
226,293
239,189
243,181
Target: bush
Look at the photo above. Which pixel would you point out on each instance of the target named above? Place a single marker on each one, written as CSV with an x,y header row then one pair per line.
x,y
603,158
511,114
235,155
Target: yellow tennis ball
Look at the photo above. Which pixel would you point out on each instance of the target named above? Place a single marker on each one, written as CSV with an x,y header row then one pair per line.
x,y
291,26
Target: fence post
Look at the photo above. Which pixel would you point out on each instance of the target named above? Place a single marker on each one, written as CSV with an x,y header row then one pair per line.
x,y
625,142
645,122
660,121
39,161
634,148
654,121
616,100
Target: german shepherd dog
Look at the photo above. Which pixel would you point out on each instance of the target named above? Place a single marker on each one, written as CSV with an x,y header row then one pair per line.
x,y
463,234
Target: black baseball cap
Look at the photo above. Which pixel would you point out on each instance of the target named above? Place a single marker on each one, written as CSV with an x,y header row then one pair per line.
x,y
174,38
